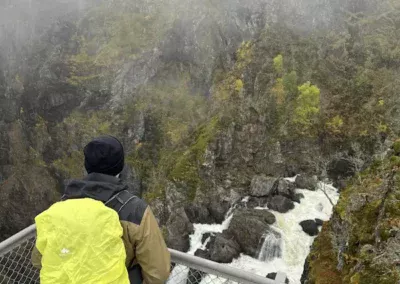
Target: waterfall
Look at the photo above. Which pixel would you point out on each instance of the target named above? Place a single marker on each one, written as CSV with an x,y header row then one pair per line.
x,y
272,247
283,248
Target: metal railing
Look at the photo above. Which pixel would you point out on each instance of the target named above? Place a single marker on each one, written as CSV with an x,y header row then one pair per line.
x,y
16,267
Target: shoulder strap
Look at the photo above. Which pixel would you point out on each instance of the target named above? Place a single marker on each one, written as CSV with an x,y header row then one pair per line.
x,y
119,200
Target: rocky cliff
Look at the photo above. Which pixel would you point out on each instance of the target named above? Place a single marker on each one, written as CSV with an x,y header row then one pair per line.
x,y
360,244
213,100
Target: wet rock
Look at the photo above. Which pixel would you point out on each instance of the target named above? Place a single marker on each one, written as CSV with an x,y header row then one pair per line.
x,y
198,214
310,227
306,271
340,184
262,185
218,210
298,197
263,215
272,276
306,182
179,229
285,188
225,248
206,236
341,168
203,254
280,204
248,227
253,202
211,242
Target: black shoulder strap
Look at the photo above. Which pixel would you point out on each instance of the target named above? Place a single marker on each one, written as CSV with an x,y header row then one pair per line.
x,y
119,200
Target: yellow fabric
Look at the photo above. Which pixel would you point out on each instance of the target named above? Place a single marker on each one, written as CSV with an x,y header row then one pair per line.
x,y
80,241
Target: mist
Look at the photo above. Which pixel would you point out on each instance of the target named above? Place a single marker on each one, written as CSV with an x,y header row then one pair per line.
x,y
216,102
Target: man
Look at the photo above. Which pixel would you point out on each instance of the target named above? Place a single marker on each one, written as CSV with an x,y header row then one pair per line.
x,y
100,228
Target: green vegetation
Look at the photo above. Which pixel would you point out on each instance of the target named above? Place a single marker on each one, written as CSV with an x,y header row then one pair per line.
x,y
322,266
368,211
110,34
187,165
278,64
71,165
335,125
307,109
396,147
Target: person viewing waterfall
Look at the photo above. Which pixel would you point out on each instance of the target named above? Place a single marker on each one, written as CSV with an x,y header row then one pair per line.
x,y
100,232
260,136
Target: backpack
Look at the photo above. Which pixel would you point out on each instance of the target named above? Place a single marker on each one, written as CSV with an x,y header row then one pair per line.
x,y
117,203
81,242
120,200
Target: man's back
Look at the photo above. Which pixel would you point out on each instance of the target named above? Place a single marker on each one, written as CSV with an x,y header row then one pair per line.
x,y
81,235
141,236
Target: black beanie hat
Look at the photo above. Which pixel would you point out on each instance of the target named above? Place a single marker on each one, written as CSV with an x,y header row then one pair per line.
x,y
104,155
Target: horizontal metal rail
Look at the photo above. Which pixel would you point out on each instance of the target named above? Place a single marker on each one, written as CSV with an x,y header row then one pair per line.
x,y
218,269
177,257
15,240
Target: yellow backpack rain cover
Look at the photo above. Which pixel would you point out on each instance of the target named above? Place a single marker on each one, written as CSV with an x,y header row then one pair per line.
x,y
81,242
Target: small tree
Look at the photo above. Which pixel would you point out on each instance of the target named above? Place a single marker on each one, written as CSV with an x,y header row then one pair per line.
x,y
278,64
307,107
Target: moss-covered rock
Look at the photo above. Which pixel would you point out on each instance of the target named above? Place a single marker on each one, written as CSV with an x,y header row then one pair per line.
x,y
396,147
187,164
363,231
322,259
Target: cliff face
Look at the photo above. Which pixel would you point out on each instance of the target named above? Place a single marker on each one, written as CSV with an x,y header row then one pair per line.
x,y
361,242
205,99
95,70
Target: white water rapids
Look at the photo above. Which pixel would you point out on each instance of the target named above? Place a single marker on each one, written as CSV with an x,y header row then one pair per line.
x,y
284,251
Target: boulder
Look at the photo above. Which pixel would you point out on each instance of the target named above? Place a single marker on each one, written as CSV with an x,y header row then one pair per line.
x,y
341,168
206,236
179,230
272,276
262,185
203,254
319,222
297,197
256,202
248,227
310,227
340,184
224,248
210,243
306,182
198,214
285,188
218,210
280,204
263,215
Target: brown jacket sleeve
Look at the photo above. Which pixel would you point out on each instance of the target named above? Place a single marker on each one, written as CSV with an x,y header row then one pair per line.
x,y
151,251
36,258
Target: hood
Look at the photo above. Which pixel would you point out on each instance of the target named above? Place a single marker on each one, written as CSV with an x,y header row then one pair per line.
x,y
97,186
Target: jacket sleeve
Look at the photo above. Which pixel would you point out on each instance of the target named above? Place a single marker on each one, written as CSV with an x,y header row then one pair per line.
x,y
151,251
36,258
